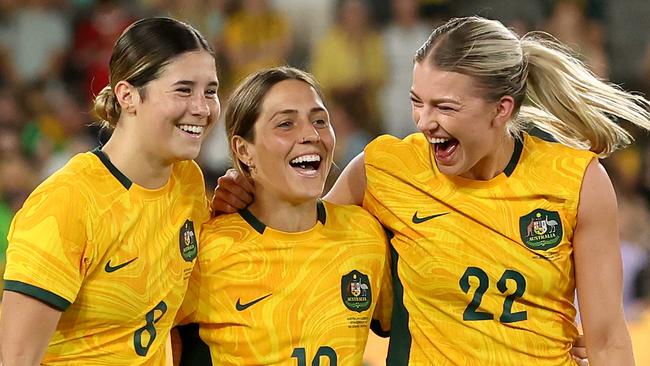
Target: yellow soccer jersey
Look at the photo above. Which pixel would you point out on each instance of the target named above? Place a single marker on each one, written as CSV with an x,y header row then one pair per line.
x,y
482,270
114,257
267,297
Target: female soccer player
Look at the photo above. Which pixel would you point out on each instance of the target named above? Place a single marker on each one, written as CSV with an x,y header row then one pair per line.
x,y
289,279
494,229
101,253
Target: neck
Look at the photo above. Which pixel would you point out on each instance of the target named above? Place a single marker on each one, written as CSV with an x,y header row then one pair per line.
x,y
495,163
126,153
283,215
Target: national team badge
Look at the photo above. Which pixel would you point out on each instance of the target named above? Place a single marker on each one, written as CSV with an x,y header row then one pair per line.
x,y
356,291
541,229
187,240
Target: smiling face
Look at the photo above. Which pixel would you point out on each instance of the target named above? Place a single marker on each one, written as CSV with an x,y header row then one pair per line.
x,y
463,128
178,107
292,146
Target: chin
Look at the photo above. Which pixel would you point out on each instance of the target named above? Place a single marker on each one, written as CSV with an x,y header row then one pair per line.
x,y
306,194
186,154
448,170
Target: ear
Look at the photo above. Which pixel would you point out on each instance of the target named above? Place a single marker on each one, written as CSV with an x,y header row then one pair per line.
x,y
244,151
504,108
127,95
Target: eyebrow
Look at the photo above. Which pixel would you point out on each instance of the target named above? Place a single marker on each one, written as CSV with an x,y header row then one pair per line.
x,y
294,111
192,83
437,100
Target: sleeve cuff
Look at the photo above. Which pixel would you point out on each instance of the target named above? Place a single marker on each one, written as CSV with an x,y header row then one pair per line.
x,y
49,298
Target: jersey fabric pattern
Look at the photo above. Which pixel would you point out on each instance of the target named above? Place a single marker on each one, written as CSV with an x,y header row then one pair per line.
x,y
267,297
114,257
483,270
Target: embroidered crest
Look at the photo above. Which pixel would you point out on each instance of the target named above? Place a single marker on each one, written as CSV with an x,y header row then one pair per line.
x,y
541,229
356,291
187,241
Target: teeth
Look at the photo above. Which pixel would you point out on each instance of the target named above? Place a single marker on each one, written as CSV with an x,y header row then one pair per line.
x,y
305,158
436,140
191,128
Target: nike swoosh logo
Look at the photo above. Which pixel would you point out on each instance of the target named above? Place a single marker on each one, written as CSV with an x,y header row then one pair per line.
x,y
108,268
241,307
419,220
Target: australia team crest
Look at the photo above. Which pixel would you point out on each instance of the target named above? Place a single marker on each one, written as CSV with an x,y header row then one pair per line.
x,y
356,291
541,229
187,241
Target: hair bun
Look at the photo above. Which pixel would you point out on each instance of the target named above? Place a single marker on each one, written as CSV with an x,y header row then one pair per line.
x,y
106,109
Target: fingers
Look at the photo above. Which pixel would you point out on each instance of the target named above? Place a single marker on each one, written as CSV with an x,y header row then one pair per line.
x,y
579,352
581,361
243,182
233,193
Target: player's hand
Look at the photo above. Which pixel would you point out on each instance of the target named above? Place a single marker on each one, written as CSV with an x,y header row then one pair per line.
x,y
234,192
579,351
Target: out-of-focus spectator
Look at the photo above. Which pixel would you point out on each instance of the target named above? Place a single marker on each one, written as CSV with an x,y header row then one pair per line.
x,y
7,72
627,24
436,11
93,39
569,22
350,139
635,248
18,180
521,16
402,37
645,70
310,20
256,36
36,38
349,62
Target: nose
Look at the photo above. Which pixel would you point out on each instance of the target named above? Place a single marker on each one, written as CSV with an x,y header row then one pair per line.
x,y
200,106
309,133
425,119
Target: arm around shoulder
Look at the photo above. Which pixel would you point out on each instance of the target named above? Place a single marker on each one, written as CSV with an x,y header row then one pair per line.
x,y
350,186
598,271
26,327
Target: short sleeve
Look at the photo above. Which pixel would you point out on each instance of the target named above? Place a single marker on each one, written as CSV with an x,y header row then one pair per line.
x,y
48,252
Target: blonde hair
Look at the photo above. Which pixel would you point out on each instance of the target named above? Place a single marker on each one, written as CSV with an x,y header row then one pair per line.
x,y
139,55
552,89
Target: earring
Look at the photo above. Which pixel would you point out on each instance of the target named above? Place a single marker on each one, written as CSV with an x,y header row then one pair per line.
x,y
251,167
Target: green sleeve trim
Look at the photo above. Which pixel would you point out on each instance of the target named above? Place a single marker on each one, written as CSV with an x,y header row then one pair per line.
x,y
50,298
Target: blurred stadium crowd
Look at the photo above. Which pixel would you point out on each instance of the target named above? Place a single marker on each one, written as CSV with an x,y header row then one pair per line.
x,y
54,57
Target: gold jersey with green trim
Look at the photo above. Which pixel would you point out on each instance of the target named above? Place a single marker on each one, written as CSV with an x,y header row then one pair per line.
x,y
482,270
114,257
267,297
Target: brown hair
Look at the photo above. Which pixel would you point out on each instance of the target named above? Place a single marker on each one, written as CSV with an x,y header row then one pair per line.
x,y
245,103
140,54
553,90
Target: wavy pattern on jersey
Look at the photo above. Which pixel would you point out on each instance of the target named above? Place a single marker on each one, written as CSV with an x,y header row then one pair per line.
x,y
302,273
478,241
54,249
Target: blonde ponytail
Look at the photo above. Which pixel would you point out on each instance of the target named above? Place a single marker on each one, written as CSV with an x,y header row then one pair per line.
x,y
568,101
552,90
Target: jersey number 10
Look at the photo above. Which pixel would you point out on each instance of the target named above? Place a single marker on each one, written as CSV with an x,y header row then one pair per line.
x,y
507,316
325,351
